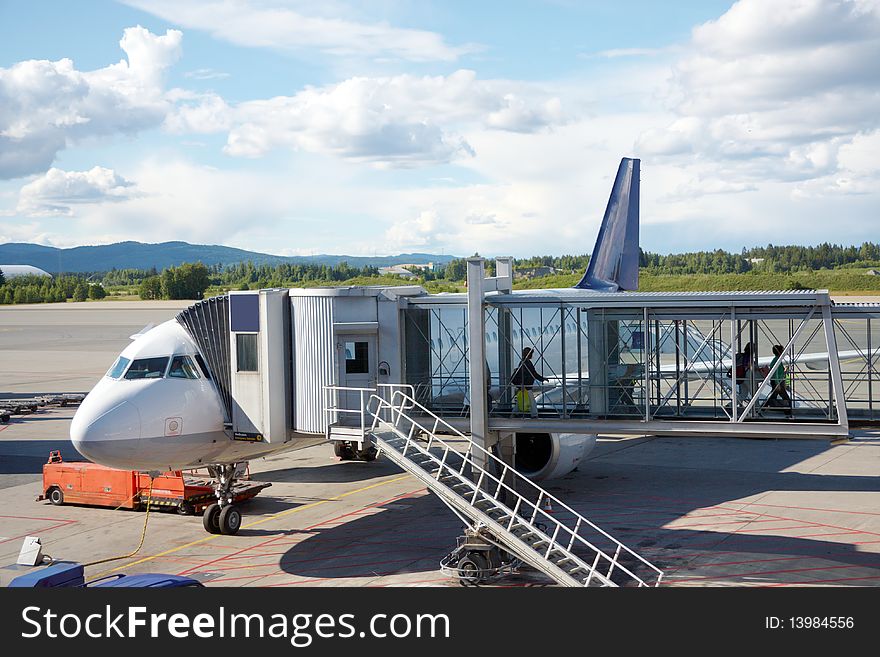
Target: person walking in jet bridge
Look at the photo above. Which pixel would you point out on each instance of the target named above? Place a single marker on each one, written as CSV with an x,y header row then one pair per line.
x,y
777,381
743,363
523,379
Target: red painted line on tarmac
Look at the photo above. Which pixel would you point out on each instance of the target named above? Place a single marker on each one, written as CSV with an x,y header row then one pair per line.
x,y
276,538
697,555
827,534
307,581
809,508
222,557
324,557
820,581
773,529
384,562
701,566
408,582
775,572
253,577
42,529
677,513
716,524
37,518
820,524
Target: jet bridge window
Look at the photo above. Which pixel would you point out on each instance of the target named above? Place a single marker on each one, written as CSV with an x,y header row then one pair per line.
x,y
118,367
182,367
147,368
246,352
357,357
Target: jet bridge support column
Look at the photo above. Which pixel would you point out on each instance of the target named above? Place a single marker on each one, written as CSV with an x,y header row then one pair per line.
x,y
597,362
477,358
505,441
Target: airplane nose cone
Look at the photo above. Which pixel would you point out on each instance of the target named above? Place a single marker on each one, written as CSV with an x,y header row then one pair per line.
x,y
109,438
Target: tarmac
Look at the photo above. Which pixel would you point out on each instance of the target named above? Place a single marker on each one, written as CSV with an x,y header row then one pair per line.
x,y
708,511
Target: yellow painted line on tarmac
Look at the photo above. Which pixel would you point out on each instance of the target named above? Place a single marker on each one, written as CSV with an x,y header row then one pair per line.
x,y
274,516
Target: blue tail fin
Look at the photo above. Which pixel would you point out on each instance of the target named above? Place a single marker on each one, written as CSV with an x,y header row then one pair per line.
x,y
614,264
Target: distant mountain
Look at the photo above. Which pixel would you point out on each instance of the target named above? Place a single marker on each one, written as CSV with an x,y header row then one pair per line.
x,y
138,255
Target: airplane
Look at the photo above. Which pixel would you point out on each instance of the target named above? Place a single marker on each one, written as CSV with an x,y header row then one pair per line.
x,y
158,407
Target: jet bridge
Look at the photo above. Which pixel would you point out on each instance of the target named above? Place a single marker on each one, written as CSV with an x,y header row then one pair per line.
x,y
682,363
687,363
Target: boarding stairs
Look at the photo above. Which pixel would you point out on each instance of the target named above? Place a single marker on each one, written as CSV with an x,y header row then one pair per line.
x,y
487,494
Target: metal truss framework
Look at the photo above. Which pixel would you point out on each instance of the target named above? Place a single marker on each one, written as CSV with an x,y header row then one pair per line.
x,y
663,362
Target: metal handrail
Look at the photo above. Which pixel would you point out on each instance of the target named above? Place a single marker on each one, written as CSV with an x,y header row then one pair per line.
x,y
334,408
468,459
329,410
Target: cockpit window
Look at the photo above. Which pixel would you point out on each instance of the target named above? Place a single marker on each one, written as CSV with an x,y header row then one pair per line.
x,y
147,368
182,367
204,367
118,367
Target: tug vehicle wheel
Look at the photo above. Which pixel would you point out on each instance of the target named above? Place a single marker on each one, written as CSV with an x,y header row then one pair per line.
x,y
56,496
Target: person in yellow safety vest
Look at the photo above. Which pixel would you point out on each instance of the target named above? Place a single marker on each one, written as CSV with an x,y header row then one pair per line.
x,y
778,381
523,379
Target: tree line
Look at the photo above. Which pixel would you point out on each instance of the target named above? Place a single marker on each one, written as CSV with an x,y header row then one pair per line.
x,y
43,289
192,280
768,259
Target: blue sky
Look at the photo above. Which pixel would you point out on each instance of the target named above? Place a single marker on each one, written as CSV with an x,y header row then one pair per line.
x,y
385,126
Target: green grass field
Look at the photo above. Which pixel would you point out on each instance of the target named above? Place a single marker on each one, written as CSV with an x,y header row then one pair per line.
x,y
838,281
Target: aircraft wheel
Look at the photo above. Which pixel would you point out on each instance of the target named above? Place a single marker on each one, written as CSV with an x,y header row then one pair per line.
x,y
56,496
211,519
470,569
230,520
368,454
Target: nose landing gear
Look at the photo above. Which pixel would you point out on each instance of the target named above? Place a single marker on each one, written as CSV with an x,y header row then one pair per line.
x,y
222,517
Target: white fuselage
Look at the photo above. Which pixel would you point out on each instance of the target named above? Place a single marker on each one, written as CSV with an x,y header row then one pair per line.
x,y
148,414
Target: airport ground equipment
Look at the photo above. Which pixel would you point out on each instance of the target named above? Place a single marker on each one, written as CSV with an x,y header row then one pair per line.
x,y
31,553
478,558
62,574
89,483
499,505
68,574
145,580
27,405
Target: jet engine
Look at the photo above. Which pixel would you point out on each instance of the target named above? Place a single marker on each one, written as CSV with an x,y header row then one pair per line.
x,y
550,455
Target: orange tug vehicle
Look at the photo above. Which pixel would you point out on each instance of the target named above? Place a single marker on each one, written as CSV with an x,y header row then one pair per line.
x,y
97,485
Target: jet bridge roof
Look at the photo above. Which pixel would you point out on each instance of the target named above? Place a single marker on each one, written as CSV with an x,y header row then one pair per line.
x,y
587,298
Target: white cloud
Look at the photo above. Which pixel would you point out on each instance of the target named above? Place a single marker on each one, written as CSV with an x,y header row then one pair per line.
x,y
197,113
54,192
403,120
773,91
266,25
702,187
415,233
45,106
206,74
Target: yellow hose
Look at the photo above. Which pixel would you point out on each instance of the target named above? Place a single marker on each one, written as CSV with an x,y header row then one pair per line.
x,y
143,533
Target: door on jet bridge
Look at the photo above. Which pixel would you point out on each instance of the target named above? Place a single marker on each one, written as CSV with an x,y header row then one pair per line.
x,y
357,365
